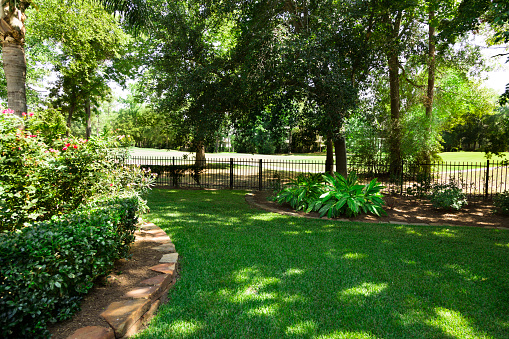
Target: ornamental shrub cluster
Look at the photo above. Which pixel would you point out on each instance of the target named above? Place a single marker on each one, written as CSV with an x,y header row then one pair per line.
x,y
68,209
333,195
40,178
47,267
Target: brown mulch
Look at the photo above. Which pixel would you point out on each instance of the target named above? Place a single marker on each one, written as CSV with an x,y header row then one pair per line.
x,y
126,275
477,213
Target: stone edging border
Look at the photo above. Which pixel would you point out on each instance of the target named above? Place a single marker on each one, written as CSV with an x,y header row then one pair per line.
x,y
251,201
127,316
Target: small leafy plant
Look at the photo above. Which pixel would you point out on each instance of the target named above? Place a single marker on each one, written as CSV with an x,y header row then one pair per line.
x,y
300,192
447,196
347,197
501,202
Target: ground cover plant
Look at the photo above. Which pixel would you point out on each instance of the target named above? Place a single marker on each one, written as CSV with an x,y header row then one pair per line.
x,y
247,273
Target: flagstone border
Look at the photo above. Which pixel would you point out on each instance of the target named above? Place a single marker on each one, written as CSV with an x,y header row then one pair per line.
x,y
128,315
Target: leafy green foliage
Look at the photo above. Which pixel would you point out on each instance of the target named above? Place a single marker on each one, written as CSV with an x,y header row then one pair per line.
x,y
38,180
301,192
347,197
47,267
501,202
448,196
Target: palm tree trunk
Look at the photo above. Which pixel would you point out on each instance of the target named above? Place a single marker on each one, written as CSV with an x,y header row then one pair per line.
x,y
13,55
12,36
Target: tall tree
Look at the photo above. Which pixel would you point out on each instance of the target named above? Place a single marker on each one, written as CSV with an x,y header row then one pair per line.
x,y
95,38
12,35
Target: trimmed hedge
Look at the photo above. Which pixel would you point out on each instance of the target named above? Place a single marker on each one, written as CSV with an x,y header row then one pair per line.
x,y
47,267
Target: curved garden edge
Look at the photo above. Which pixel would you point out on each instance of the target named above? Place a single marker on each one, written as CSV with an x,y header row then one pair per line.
x,y
129,312
402,211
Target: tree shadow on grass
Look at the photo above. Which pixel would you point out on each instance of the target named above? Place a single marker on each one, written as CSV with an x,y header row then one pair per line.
x,y
250,274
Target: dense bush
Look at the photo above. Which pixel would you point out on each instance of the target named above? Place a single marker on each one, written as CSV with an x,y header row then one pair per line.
x,y
47,267
39,180
447,196
501,202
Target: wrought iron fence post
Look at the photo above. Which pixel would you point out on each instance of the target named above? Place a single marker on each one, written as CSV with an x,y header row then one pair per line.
x,y
487,179
260,176
231,173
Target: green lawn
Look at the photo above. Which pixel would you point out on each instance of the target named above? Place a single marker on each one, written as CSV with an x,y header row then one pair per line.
x,y
246,273
469,157
446,156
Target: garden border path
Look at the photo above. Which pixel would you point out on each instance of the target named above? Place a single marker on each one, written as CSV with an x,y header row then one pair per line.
x,y
130,313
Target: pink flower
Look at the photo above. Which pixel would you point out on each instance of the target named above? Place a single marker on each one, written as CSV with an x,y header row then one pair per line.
x,y
8,111
30,114
24,114
64,149
111,185
67,145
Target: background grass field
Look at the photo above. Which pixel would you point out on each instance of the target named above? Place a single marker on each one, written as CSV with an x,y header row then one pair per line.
x,y
446,156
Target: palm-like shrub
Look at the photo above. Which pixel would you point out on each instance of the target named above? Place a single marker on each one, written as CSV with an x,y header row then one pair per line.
x,y
302,191
347,197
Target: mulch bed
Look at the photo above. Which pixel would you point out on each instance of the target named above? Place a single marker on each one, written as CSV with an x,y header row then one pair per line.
x,y
478,213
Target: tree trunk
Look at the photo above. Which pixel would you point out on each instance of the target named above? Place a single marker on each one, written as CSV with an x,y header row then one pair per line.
x,y
88,113
395,133
69,117
329,161
13,55
431,76
200,155
12,35
341,162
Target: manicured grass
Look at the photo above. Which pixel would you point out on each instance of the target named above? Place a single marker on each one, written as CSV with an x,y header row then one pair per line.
x,y
469,157
446,156
246,273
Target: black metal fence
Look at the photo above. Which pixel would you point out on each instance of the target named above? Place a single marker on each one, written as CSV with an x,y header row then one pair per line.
x,y
475,179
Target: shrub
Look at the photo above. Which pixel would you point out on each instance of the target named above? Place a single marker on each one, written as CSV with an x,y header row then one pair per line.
x,y
447,196
302,191
39,180
47,267
501,202
347,197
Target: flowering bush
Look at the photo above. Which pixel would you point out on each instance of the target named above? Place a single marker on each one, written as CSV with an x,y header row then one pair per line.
x,y
38,179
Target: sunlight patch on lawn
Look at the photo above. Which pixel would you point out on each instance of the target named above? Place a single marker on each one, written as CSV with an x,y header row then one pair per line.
x,y
446,233
265,216
454,324
303,328
354,256
348,335
185,327
465,273
502,245
293,271
409,230
365,289
266,311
